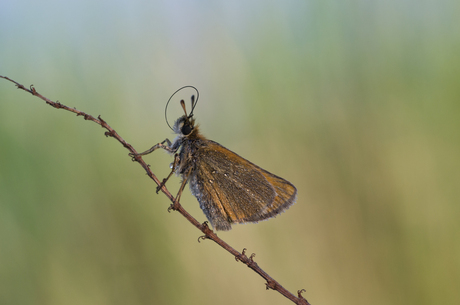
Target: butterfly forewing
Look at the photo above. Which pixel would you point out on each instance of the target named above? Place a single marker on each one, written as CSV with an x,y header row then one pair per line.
x,y
231,189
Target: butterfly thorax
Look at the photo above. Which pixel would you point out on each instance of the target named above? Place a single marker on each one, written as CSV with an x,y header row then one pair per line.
x,y
187,144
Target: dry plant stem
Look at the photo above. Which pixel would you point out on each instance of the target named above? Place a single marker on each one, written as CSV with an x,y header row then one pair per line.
x,y
208,233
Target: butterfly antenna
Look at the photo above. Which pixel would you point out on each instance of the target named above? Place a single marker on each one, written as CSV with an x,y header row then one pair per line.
x,y
194,101
182,103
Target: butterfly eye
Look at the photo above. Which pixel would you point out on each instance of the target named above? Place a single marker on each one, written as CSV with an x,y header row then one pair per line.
x,y
186,129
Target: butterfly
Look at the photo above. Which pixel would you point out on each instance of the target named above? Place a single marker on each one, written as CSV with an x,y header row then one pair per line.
x,y
229,188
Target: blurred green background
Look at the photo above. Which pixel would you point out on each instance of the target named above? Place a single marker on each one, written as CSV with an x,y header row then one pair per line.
x,y
355,102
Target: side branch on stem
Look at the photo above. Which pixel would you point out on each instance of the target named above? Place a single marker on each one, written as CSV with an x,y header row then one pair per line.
x,y
271,283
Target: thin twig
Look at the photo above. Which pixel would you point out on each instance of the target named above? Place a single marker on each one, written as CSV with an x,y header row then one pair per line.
x,y
203,227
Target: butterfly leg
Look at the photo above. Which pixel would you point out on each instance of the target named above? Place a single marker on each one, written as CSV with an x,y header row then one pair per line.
x,y
161,145
175,205
173,169
166,147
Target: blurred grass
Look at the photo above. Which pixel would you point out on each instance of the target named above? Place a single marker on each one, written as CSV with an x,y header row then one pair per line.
x,y
354,102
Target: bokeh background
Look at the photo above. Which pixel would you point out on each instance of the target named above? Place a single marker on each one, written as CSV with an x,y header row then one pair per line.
x,y
355,102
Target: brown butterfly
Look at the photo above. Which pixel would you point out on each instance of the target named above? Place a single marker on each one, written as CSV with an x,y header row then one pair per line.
x,y
229,188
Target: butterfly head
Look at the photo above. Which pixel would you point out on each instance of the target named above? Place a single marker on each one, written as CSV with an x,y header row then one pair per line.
x,y
185,125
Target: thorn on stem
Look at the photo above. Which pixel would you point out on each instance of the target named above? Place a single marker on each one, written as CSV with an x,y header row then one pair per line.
x,y
174,206
270,284
299,293
252,263
109,133
103,123
206,229
241,256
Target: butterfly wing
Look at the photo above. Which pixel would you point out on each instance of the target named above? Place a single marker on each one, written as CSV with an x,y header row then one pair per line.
x,y
231,189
